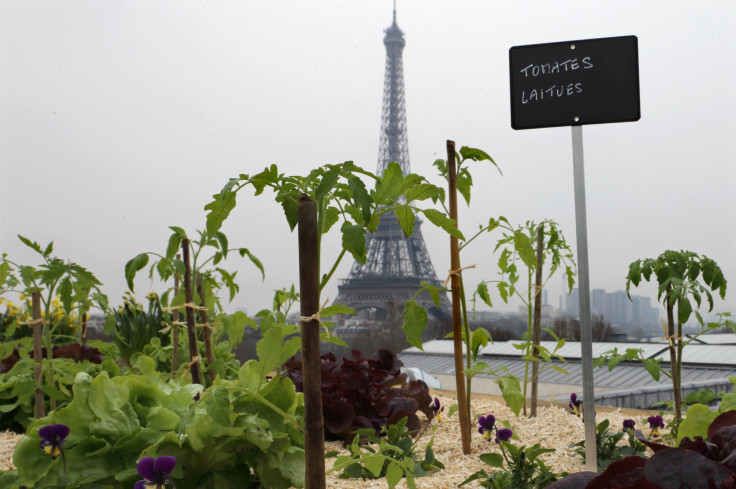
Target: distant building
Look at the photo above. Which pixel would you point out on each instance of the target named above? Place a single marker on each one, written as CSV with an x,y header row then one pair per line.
x,y
616,308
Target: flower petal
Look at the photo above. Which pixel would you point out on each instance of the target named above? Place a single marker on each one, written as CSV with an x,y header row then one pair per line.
x,y
164,463
140,485
60,430
145,468
46,432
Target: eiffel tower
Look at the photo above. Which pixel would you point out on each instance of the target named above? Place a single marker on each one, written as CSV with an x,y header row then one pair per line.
x,y
396,265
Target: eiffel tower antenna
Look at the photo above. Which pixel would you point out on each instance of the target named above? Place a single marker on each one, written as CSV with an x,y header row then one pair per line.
x,y
394,142
395,265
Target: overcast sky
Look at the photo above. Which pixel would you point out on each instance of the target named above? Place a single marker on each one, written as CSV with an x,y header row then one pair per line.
x,y
121,118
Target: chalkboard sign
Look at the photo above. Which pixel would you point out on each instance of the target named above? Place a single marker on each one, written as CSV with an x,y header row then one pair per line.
x,y
574,83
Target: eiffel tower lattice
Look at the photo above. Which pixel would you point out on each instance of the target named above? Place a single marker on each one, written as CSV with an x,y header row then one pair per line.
x,y
396,265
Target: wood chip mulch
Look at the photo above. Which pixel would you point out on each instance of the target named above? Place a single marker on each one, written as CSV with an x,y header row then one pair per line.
x,y
554,427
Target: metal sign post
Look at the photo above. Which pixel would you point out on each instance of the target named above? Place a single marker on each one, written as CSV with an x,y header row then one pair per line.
x,y
572,83
586,333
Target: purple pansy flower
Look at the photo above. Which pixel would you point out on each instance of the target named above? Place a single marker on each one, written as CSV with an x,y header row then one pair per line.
x,y
485,425
576,404
52,439
155,472
504,434
629,425
655,423
437,408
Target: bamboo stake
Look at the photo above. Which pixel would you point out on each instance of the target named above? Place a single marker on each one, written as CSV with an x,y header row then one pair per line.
x,y
175,331
314,435
38,353
537,321
462,400
191,331
207,331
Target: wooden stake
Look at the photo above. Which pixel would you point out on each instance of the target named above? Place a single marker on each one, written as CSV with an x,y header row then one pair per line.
x,y
457,335
191,328
175,331
207,331
314,434
537,321
38,354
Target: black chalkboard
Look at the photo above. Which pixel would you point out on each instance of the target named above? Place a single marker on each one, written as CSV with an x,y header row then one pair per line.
x,y
572,83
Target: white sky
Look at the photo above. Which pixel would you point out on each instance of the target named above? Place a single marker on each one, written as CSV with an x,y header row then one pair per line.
x,y
121,118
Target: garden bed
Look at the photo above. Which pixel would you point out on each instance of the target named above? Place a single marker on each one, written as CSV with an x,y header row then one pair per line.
x,y
554,427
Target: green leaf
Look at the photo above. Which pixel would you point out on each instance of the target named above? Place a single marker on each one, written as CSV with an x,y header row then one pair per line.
x,y
222,241
511,392
179,232
389,187
361,197
65,293
482,291
442,221
434,293
173,247
4,272
406,219
525,249
415,321
394,473
133,266
696,422
374,463
503,290
329,179
235,327
353,240
422,191
684,310
336,309
652,367
453,409
31,244
219,209
253,259
269,351
492,459
475,154
558,369
331,216
464,183
480,337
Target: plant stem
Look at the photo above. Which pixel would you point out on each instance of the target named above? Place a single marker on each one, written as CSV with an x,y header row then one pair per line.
x,y
175,331
327,277
468,359
673,356
50,380
38,354
537,319
207,333
191,332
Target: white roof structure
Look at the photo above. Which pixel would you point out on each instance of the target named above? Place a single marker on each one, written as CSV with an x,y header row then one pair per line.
x,y
704,366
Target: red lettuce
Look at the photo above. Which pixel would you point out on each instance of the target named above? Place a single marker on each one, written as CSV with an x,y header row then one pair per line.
x,y
365,393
